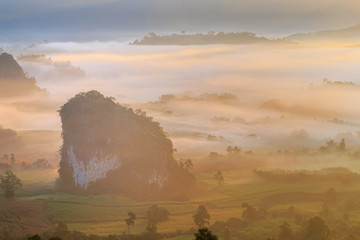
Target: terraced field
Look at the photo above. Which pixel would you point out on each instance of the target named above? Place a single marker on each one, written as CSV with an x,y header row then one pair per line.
x,y
105,214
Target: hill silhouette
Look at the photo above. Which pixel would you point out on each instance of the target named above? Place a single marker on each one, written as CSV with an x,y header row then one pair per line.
x,y
13,80
109,148
205,39
349,34
9,140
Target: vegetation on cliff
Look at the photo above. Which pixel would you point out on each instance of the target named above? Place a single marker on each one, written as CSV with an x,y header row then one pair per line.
x,y
110,148
13,80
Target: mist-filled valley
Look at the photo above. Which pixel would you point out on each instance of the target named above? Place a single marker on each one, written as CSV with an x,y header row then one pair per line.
x,y
206,97
113,140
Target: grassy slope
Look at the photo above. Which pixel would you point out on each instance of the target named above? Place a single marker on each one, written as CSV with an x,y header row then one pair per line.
x,y
21,217
105,214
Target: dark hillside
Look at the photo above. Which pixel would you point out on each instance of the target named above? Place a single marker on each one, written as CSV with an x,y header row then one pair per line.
x,y
109,148
13,80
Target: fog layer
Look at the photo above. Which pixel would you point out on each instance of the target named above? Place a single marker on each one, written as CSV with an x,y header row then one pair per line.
x,y
206,97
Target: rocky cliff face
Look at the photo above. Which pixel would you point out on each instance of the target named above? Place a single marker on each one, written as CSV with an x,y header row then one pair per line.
x,y
96,168
111,148
13,80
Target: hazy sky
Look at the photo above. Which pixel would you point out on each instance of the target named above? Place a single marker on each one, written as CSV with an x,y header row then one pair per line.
x,y
271,82
82,19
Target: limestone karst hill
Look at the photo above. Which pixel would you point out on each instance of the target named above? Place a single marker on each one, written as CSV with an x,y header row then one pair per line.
x,y
344,35
13,80
108,148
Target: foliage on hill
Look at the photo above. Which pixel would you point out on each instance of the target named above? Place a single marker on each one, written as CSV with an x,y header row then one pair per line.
x,y
21,217
343,35
109,148
9,184
342,175
204,39
13,80
9,139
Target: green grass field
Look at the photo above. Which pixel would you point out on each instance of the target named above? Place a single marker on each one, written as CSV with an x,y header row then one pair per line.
x,y
105,214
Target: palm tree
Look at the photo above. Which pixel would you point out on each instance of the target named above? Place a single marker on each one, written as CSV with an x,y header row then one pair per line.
x,y
130,221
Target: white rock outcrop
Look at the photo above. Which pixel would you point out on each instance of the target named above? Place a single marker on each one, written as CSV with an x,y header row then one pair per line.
x,y
92,170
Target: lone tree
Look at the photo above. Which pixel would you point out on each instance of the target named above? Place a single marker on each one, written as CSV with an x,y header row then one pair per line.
x,y
219,178
155,215
204,234
250,213
317,229
341,146
35,237
130,221
286,232
201,217
9,184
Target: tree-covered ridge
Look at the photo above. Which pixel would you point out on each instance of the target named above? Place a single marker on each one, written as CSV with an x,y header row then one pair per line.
x,y
10,69
205,39
13,79
110,148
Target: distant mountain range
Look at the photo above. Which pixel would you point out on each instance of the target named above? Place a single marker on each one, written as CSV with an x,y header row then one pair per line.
x,y
206,39
344,35
13,80
350,35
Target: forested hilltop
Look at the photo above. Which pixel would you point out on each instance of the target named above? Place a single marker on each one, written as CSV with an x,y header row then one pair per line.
x,y
13,80
205,39
108,148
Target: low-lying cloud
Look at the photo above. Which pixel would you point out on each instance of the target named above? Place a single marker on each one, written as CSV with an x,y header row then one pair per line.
x,y
205,97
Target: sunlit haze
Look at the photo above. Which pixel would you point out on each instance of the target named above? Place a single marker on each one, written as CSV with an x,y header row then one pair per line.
x,y
141,119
